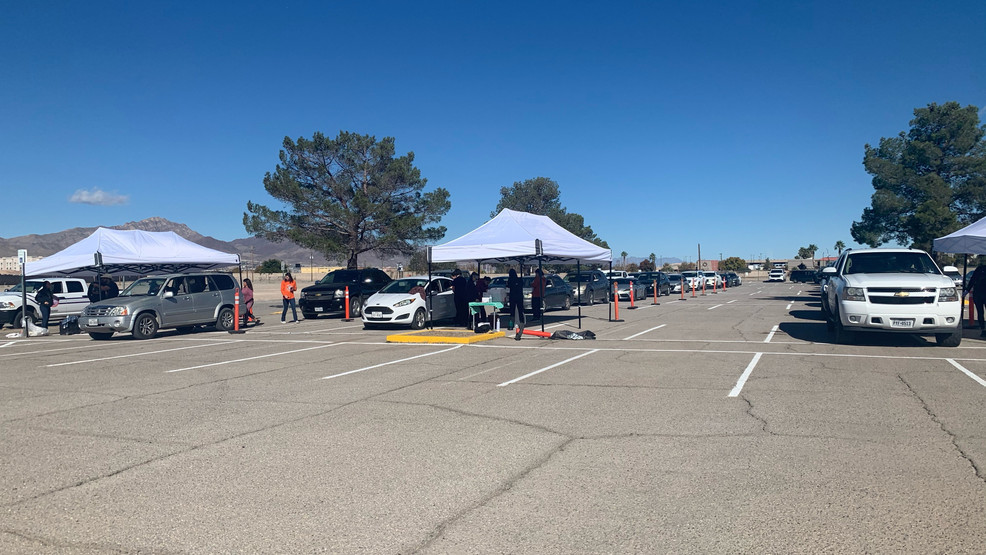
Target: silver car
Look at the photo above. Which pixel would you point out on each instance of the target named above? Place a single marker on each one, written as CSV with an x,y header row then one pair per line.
x,y
592,286
181,301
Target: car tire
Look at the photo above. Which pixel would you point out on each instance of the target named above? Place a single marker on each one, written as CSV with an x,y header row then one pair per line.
x,y
567,304
100,336
841,335
225,321
419,319
355,307
953,339
32,318
592,298
145,327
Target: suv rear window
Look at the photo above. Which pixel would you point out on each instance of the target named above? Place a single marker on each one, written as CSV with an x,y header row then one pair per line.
x,y
224,282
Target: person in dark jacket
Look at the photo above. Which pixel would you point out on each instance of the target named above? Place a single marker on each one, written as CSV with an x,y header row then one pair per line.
x,y
515,298
45,299
461,294
977,286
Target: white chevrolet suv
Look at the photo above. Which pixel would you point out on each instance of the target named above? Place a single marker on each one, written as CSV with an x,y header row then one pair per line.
x,y
891,290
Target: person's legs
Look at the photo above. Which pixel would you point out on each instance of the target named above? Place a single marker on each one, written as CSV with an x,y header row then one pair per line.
x,y
518,314
45,314
294,310
284,313
980,308
536,303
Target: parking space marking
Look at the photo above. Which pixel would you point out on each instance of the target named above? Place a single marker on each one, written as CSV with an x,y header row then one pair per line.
x,y
732,301
555,365
756,292
714,307
770,335
746,374
8,344
643,332
485,371
789,305
88,360
251,358
389,363
978,380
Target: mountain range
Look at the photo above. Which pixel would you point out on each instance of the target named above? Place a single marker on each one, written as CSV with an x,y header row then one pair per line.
x,y
252,250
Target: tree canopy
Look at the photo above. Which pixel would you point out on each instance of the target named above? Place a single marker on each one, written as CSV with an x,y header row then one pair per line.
x,y
733,264
929,181
542,196
269,266
346,196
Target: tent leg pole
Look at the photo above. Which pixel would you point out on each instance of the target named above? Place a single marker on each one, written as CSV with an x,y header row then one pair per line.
x,y
543,291
428,300
609,290
578,272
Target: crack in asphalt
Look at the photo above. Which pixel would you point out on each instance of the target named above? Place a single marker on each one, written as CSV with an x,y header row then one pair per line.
x,y
101,547
761,420
934,417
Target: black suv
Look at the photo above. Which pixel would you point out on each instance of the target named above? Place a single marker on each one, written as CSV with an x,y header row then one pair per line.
x,y
648,279
803,276
329,293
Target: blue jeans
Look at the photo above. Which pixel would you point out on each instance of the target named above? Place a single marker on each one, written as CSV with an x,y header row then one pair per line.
x,y
45,314
294,309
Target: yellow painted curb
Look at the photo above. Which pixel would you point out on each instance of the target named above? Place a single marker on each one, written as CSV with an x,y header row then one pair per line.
x,y
459,336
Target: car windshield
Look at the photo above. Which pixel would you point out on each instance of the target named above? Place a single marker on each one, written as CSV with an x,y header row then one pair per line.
x,y
146,287
623,281
31,286
890,263
498,282
674,277
689,274
404,285
579,278
340,276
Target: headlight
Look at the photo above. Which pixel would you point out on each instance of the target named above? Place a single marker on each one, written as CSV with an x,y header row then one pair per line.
x,y
117,311
854,294
405,302
948,295
340,293
7,306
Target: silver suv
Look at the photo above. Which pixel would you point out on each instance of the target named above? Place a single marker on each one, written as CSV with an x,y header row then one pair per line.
x,y
181,301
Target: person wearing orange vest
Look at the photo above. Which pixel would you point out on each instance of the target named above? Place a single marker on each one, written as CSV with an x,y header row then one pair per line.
x,y
288,287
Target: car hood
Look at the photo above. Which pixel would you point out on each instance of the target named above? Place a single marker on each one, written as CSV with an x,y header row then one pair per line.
x,y
389,299
324,287
898,280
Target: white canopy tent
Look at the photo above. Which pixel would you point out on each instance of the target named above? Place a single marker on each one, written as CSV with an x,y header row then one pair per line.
x,y
520,236
971,239
115,251
513,235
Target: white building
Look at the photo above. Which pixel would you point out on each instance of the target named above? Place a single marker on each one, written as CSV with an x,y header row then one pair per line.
x,y
10,265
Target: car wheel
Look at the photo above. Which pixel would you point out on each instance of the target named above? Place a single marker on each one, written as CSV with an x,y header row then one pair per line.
x,y
418,320
100,336
32,318
841,335
949,339
145,327
592,298
567,305
225,321
355,307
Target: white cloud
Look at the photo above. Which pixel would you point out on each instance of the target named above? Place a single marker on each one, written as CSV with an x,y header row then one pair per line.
x,y
98,197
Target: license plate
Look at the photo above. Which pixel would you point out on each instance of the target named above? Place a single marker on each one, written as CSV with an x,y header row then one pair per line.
x,y
318,309
375,315
901,323
93,322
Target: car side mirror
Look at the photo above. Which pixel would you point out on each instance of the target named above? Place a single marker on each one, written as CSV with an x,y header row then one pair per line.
x,y
828,270
952,269
168,294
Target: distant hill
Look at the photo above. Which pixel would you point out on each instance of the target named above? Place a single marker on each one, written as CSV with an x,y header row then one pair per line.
x,y
252,250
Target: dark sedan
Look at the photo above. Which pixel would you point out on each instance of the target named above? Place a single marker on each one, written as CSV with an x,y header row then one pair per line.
x,y
649,278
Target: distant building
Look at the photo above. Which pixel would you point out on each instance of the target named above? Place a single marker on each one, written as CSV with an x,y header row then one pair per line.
x,y
10,264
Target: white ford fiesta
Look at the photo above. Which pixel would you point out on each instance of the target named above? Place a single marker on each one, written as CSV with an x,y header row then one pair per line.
x,y
402,303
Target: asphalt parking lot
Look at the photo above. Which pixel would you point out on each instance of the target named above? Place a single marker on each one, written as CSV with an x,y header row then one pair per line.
x,y
723,423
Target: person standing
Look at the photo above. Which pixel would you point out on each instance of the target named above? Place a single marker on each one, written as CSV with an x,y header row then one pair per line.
x,y
977,286
93,291
288,287
480,286
45,299
108,288
460,295
515,298
537,293
246,295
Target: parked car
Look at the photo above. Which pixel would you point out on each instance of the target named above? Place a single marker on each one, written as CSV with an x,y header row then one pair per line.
x,y
955,276
558,292
694,279
590,286
623,289
803,276
70,292
776,275
732,279
410,301
892,290
677,281
614,274
329,293
713,280
648,279
180,301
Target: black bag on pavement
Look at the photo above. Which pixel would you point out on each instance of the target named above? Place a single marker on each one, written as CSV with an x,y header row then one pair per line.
x,y
69,326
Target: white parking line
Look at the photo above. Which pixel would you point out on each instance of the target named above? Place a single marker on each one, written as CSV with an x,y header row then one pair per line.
x,y
979,380
770,335
250,358
746,374
515,380
789,305
8,344
645,331
714,307
732,301
484,371
798,293
88,360
391,362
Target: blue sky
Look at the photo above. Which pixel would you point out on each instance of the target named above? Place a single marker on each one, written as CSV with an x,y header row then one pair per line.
x,y
737,125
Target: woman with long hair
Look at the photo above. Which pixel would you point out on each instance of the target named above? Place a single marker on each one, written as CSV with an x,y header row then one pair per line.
x,y
288,287
246,295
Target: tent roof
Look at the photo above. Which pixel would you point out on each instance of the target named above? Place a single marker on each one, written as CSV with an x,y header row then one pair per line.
x,y
131,251
513,235
971,239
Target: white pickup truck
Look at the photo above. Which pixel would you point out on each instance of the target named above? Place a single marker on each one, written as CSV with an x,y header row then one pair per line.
x,y
891,290
70,292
